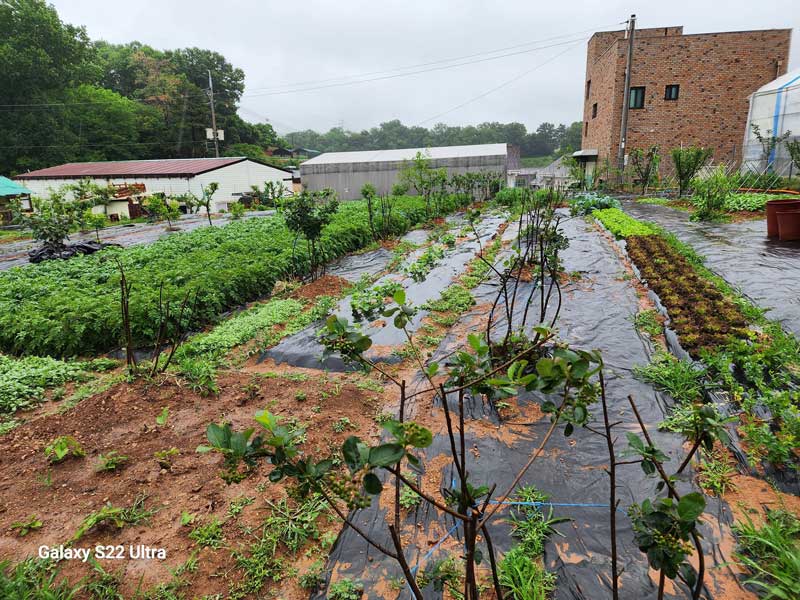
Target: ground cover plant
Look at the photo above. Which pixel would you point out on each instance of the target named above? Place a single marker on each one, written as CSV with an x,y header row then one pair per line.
x,y
72,308
24,382
621,225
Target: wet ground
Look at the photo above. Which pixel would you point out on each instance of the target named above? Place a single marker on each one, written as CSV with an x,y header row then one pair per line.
x,y
597,313
766,271
15,254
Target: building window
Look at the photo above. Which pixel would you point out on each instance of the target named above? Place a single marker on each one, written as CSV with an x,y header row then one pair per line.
x,y
588,88
637,97
586,128
594,110
671,92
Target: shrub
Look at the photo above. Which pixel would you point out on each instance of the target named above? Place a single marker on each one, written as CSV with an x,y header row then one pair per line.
x,y
710,194
591,201
688,161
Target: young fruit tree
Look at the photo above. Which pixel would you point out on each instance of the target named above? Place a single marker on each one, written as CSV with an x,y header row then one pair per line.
x,y
688,161
307,214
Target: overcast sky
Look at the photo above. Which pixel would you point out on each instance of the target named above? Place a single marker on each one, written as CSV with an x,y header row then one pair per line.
x,y
282,44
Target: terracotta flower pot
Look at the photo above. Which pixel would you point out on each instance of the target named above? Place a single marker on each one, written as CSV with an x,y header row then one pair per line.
x,y
773,206
789,224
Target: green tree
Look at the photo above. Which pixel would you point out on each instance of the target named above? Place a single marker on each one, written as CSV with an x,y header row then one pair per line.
x,y
308,213
688,161
206,199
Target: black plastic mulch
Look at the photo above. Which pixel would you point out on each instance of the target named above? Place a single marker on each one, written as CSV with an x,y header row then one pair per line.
x,y
302,348
597,313
767,271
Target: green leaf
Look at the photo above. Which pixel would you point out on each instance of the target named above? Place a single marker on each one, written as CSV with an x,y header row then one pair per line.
x,y
372,484
219,437
385,455
400,296
635,442
351,453
691,506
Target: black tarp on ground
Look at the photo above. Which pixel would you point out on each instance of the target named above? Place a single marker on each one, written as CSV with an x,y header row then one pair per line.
x,y
597,313
766,271
302,348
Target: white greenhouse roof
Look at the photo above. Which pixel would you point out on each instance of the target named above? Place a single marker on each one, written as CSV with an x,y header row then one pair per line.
x,y
791,79
408,153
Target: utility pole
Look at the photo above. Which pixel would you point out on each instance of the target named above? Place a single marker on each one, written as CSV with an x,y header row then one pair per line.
x,y
213,115
626,101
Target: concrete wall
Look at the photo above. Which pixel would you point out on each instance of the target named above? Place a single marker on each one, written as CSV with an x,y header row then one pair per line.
x,y
233,179
716,73
347,179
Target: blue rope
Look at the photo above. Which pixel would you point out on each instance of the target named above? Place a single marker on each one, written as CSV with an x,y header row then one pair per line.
x,y
572,504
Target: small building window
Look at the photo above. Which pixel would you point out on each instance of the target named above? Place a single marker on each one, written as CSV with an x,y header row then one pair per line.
x,y
671,92
586,128
588,88
594,110
637,97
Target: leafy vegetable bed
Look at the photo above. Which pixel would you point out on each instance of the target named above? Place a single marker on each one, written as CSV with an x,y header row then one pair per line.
x,y
703,317
745,354
71,308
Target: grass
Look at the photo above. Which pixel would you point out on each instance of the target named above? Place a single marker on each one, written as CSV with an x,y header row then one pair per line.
x,y
34,579
521,571
649,322
772,553
715,472
680,379
345,589
208,535
288,526
117,516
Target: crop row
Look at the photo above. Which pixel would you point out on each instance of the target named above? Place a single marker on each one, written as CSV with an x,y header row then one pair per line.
x,y
742,352
72,308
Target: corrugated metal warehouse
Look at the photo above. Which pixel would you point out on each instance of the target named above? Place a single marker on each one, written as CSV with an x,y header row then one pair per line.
x,y
235,175
347,172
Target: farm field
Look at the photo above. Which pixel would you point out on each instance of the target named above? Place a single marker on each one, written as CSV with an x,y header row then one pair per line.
x,y
508,343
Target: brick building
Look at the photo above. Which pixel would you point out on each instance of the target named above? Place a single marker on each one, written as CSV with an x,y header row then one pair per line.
x,y
685,89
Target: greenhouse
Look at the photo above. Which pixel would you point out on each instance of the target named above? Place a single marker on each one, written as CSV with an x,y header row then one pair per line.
x,y
775,110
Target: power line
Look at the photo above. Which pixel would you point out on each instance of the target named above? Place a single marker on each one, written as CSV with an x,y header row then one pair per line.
x,y
199,95
498,87
425,64
488,92
332,85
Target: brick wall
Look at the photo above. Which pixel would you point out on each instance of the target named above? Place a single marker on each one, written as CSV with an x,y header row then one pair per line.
x,y
716,73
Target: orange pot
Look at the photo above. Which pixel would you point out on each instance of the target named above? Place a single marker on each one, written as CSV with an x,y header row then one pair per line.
x,y
773,206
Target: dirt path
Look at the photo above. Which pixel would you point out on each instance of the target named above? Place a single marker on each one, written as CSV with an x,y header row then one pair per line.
x,y
767,271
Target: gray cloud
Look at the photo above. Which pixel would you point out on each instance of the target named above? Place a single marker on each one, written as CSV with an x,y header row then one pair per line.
x,y
278,43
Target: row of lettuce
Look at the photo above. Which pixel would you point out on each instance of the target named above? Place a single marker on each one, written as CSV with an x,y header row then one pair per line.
x,y
72,308
738,350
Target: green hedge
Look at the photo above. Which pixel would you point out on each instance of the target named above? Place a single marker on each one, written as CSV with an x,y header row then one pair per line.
x,y
71,308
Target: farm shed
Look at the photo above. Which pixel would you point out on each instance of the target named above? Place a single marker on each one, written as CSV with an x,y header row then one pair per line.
x,y
9,191
234,175
347,172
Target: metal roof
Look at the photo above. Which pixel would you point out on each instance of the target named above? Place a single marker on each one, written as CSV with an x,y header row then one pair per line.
x,y
11,188
399,154
170,167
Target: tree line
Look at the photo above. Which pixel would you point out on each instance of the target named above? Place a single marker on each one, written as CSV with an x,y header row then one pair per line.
x,y
67,98
545,140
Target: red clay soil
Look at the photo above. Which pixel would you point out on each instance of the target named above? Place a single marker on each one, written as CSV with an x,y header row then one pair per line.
x,y
327,285
124,419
